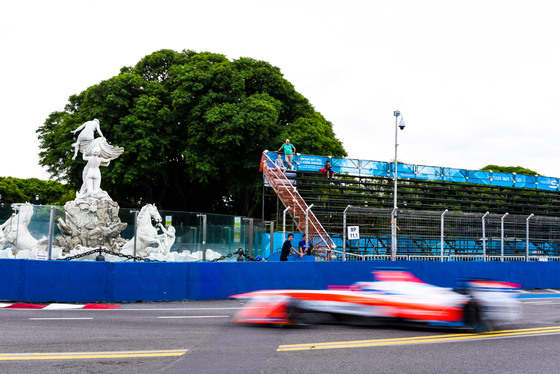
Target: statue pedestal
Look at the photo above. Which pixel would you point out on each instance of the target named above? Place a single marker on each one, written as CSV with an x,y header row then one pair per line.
x,y
90,223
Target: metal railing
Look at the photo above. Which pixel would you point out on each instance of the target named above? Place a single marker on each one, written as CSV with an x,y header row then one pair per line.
x,y
290,197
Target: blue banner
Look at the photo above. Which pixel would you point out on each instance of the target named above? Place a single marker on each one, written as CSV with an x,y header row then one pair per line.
x,y
479,177
547,183
502,179
367,168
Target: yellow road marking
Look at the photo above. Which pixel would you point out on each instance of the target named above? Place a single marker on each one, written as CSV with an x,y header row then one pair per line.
x,y
89,355
419,339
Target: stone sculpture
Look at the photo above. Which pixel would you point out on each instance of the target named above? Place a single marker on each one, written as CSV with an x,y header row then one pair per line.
x,y
90,224
147,239
87,133
92,219
97,152
15,230
166,240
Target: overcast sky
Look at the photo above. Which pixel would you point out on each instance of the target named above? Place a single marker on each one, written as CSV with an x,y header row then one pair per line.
x,y
478,82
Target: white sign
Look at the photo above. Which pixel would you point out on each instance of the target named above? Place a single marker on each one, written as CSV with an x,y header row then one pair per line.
x,y
353,232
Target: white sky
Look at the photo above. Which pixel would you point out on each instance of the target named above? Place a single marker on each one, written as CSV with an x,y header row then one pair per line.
x,y
478,82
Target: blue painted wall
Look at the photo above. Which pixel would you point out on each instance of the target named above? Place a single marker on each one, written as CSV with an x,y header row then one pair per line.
x,y
61,281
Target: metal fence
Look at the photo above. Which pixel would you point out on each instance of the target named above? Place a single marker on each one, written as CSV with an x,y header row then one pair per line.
x,y
421,235
448,236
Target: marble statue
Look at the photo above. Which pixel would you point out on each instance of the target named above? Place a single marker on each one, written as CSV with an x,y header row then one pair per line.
x,y
91,220
15,230
147,238
87,133
97,152
90,223
166,239
91,176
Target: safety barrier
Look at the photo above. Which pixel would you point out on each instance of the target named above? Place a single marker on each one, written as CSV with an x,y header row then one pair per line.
x,y
62,281
434,173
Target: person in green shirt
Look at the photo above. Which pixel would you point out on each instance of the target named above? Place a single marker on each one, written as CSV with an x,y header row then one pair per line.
x,y
289,150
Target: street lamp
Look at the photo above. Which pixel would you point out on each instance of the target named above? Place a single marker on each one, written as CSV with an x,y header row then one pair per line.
x,y
400,125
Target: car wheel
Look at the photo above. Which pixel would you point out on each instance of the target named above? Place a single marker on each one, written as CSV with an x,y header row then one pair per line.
x,y
474,317
298,315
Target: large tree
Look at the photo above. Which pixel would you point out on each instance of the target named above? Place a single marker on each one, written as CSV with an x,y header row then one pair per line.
x,y
32,190
193,126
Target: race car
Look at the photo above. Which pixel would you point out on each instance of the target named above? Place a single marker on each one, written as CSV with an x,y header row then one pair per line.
x,y
394,297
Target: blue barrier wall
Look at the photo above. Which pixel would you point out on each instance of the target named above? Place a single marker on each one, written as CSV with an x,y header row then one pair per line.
x,y
61,281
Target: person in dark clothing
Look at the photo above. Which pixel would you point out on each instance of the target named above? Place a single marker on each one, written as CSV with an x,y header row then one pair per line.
x,y
287,248
303,248
329,171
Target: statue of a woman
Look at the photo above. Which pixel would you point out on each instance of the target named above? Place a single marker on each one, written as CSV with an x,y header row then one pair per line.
x,y
97,152
88,133
91,175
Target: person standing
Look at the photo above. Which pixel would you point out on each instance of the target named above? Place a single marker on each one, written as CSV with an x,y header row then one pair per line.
x,y
304,247
287,248
289,150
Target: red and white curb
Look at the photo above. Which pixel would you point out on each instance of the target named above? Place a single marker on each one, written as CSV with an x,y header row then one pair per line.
x,y
57,306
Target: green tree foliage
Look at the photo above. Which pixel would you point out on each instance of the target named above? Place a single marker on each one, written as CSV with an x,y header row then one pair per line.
x,y
15,190
509,169
193,126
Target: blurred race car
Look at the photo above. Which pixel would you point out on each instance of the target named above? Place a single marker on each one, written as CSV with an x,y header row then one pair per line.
x,y
394,297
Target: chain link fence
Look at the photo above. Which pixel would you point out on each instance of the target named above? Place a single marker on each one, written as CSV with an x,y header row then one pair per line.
x,y
448,236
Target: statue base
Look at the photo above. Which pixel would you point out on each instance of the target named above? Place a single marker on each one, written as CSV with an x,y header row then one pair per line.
x,y
90,223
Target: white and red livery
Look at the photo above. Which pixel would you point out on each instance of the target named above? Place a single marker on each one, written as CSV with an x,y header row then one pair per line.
x,y
394,297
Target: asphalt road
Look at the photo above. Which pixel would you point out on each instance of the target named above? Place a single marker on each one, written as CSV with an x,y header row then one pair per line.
x,y
199,337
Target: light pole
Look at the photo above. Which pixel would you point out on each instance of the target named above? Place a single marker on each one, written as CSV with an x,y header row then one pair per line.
x,y
395,177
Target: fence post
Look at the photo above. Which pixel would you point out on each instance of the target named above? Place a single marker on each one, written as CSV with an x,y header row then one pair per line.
x,y
394,234
442,232
135,232
344,233
204,222
284,225
16,207
527,237
502,238
484,236
51,233
271,237
307,226
250,235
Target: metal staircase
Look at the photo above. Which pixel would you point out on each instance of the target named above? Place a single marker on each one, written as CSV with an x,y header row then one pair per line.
x,y
302,213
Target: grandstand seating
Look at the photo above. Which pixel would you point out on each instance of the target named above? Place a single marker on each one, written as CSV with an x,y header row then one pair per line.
x,y
330,197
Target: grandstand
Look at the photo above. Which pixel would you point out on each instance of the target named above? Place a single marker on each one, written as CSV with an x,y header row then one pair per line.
x,y
424,192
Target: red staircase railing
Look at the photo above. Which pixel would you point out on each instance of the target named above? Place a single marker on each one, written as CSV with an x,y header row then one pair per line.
x,y
290,197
